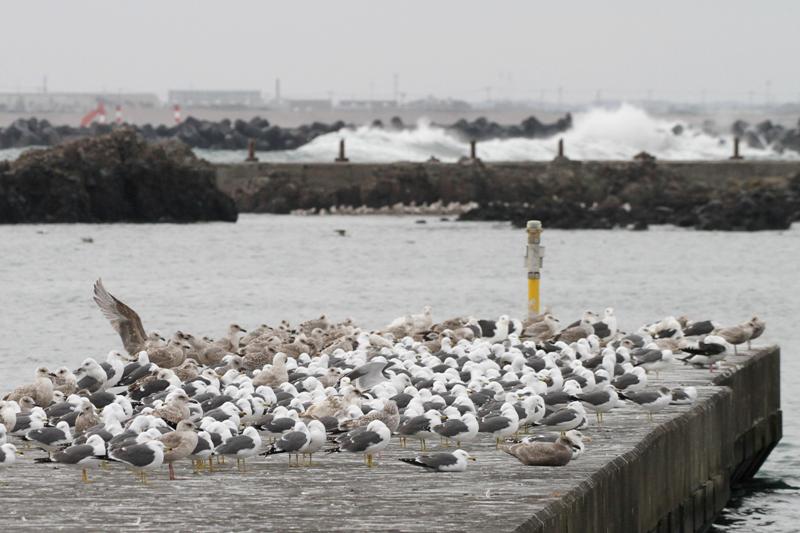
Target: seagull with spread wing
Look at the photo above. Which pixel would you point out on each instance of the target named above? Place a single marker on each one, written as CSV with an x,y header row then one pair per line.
x,y
125,321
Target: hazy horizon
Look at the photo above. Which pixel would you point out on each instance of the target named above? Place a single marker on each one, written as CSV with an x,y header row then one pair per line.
x,y
683,51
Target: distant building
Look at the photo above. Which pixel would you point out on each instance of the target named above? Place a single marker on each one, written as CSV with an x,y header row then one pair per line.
x,y
216,98
438,104
307,105
367,104
72,102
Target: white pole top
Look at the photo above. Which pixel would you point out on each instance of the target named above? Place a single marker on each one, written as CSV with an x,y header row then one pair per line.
x,y
534,224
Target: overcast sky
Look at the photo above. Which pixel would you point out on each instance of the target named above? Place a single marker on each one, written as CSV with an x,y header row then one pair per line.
x,y
678,50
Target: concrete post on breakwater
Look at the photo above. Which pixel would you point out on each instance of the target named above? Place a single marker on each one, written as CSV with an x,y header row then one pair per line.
x,y
342,157
736,155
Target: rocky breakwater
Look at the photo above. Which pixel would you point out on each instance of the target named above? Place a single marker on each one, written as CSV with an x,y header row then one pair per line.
x,y
599,195
236,135
723,195
118,177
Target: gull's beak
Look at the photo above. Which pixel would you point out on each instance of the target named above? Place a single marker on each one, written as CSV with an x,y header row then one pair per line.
x,y
470,458
587,439
19,453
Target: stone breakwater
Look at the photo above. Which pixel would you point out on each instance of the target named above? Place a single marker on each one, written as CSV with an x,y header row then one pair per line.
x,y
113,178
237,134
719,195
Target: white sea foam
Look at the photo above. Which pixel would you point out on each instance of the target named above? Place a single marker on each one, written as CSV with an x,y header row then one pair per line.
x,y
600,134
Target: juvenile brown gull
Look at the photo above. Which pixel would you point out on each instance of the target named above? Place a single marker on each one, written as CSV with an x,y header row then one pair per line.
x,y
179,444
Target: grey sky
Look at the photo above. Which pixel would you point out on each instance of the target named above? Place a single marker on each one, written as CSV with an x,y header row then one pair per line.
x,y
676,49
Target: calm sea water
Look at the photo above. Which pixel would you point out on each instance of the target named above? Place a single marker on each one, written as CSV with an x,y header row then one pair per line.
x,y
265,268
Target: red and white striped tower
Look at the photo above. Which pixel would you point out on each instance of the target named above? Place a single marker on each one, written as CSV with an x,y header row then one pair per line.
x,y
177,114
118,114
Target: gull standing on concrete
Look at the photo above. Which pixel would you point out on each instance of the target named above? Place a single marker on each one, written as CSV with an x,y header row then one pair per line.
x,y
368,441
8,454
708,351
736,335
140,457
179,444
571,417
241,446
442,462
650,401
81,456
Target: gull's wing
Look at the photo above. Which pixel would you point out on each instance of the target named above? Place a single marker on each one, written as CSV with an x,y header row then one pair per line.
x,y
123,319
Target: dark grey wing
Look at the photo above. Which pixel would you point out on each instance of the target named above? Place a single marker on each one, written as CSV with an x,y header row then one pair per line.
x,y
366,370
451,428
361,440
437,460
202,445
556,397
493,423
704,327
138,455
488,327
643,397
651,356
110,372
601,329
625,381
414,425
2,456
74,454
88,383
594,398
279,425
46,436
235,444
292,441
559,417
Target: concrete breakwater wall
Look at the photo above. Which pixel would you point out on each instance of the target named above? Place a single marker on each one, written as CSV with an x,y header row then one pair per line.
x,y
563,193
679,476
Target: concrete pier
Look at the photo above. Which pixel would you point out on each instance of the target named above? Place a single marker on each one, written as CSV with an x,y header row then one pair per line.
x,y
673,474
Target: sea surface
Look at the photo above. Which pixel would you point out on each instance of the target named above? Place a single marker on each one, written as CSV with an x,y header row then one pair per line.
x,y
201,277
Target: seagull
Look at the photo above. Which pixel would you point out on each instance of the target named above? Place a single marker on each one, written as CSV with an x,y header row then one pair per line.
x,y
141,457
367,376
293,442
465,428
655,360
51,439
420,427
368,441
683,395
124,320
442,462
537,453
759,326
699,329
241,446
8,454
571,417
708,352
507,423
203,450
738,334
634,380
599,402
389,415
495,331
83,456
650,401
179,444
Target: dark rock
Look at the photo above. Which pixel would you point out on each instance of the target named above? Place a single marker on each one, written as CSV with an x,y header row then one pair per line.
x,y
117,177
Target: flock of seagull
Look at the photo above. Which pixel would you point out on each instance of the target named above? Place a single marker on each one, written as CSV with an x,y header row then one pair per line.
x,y
333,387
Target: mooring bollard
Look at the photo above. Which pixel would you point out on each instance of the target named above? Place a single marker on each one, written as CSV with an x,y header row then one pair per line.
x,y
736,149
251,152
533,257
341,158
473,152
561,148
